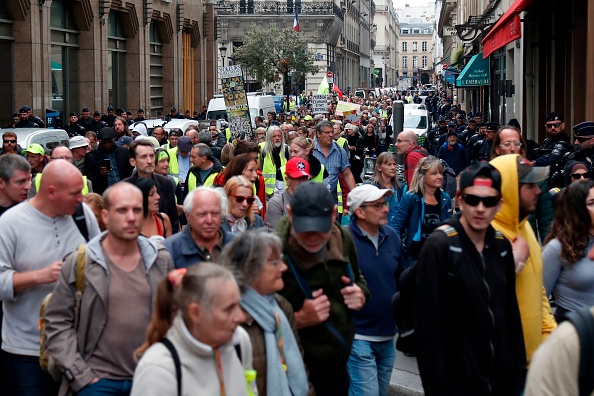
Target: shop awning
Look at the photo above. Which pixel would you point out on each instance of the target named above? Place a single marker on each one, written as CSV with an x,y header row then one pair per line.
x,y
476,73
507,28
441,61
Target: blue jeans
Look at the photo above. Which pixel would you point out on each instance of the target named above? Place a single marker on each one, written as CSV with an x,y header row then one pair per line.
x,y
107,387
24,377
370,367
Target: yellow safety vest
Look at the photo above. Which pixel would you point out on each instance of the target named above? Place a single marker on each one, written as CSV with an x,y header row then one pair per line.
x,y
319,178
341,142
269,173
192,181
173,165
228,134
85,189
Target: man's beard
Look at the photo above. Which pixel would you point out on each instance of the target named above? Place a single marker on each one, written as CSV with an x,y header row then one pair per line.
x,y
277,144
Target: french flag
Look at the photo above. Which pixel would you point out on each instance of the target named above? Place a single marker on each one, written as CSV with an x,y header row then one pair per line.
x,y
296,26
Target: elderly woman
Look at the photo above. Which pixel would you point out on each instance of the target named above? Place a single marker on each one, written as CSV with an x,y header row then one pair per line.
x,y
197,313
256,257
240,215
423,208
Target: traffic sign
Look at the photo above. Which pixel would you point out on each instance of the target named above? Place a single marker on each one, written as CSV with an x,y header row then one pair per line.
x,y
329,75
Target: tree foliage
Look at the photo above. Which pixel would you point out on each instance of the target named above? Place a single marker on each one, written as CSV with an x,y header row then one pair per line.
x,y
268,52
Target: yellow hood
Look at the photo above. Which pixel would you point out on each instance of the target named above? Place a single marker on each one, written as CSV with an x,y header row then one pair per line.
x,y
535,311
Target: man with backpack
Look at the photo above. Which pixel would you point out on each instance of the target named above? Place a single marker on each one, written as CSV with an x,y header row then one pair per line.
x,y
35,237
92,342
467,322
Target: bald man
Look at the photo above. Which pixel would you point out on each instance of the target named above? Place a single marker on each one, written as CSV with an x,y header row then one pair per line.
x,y
35,237
407,144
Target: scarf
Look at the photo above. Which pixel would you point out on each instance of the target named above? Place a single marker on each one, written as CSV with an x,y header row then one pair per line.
x,y
293,381
237,225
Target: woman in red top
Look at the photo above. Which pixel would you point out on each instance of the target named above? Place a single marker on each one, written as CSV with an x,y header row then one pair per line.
x,y
155,222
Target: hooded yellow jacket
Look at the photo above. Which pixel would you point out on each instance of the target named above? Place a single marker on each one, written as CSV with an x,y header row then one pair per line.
x,y
537,319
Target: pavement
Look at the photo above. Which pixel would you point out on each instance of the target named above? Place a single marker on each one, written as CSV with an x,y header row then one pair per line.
x,y
405,379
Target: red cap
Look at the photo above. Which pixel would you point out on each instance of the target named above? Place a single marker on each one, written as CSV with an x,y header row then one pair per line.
x,y
296,168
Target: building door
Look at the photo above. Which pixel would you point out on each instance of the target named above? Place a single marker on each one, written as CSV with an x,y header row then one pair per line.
x,y
497,102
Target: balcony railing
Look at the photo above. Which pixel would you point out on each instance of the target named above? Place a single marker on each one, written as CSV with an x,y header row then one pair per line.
x,y
243,7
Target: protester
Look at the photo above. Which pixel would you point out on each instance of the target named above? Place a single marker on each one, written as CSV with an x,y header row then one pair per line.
x,y
240,216
27,276
244,165
407,144
385,177
197,310
566,269
379,251
465,306
256,257
423,208
323,285
519,187
203,239
296,172
275,154
155,223
302,148
95,202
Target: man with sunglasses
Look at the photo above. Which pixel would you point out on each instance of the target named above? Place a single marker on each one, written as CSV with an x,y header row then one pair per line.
x,y
520,191
554,149
466,309
10,144
584,142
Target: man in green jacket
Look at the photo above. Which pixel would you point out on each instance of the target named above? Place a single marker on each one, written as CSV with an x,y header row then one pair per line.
x,y
323,284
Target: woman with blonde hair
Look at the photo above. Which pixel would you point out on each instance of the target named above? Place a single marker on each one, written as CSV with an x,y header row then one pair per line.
x,y
423,208
196,318
240,216
95,202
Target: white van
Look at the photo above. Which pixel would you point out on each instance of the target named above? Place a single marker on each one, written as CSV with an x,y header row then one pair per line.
x,y
259,105
48,138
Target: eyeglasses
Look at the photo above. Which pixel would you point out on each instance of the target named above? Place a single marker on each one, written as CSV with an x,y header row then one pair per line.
x,y
474,200
576,176
377,205
583,139
13,141
240,198
507,145
276,262
553,125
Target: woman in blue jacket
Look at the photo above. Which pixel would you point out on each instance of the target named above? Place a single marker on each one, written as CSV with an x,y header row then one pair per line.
x,y
423,208
384,176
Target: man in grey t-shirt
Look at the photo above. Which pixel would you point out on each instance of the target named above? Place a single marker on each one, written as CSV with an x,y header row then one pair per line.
x,y
34,238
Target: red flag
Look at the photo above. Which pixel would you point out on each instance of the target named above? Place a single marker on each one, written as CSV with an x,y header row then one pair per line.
x,y
336,90
296,26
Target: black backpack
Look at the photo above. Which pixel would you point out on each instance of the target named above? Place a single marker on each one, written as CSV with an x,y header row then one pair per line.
x,y
404,300
449,184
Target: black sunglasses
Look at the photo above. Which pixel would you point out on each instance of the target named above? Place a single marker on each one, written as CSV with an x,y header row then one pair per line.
x,y
240,198
576,176
474,200
583,139
10,141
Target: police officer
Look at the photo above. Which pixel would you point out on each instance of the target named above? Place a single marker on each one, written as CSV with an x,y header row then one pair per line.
x,y
482,149
432,139
468,132
557,139
74,129
584,143
473,140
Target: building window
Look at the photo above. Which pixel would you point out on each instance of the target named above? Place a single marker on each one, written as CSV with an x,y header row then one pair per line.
x,y
416,31
414,46
404,46
156,68
404,62
116,61
424,62
415,61
64,59
404,31
424,46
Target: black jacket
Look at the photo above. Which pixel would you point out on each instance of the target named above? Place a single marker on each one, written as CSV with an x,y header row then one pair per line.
x,y
75,130
467,321
166,193
95,126
94,162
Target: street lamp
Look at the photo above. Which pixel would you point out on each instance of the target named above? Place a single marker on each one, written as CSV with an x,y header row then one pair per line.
x,y
385,61
223,51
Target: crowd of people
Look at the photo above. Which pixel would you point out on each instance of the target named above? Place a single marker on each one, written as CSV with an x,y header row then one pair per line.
x,y
223,263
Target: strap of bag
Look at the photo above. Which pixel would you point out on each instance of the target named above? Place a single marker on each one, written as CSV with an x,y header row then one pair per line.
x,y
81,262
304,286
80,221
583,321
178,373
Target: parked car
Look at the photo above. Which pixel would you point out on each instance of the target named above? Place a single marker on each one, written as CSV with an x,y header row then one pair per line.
x,y
150,125
46,137
178,123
